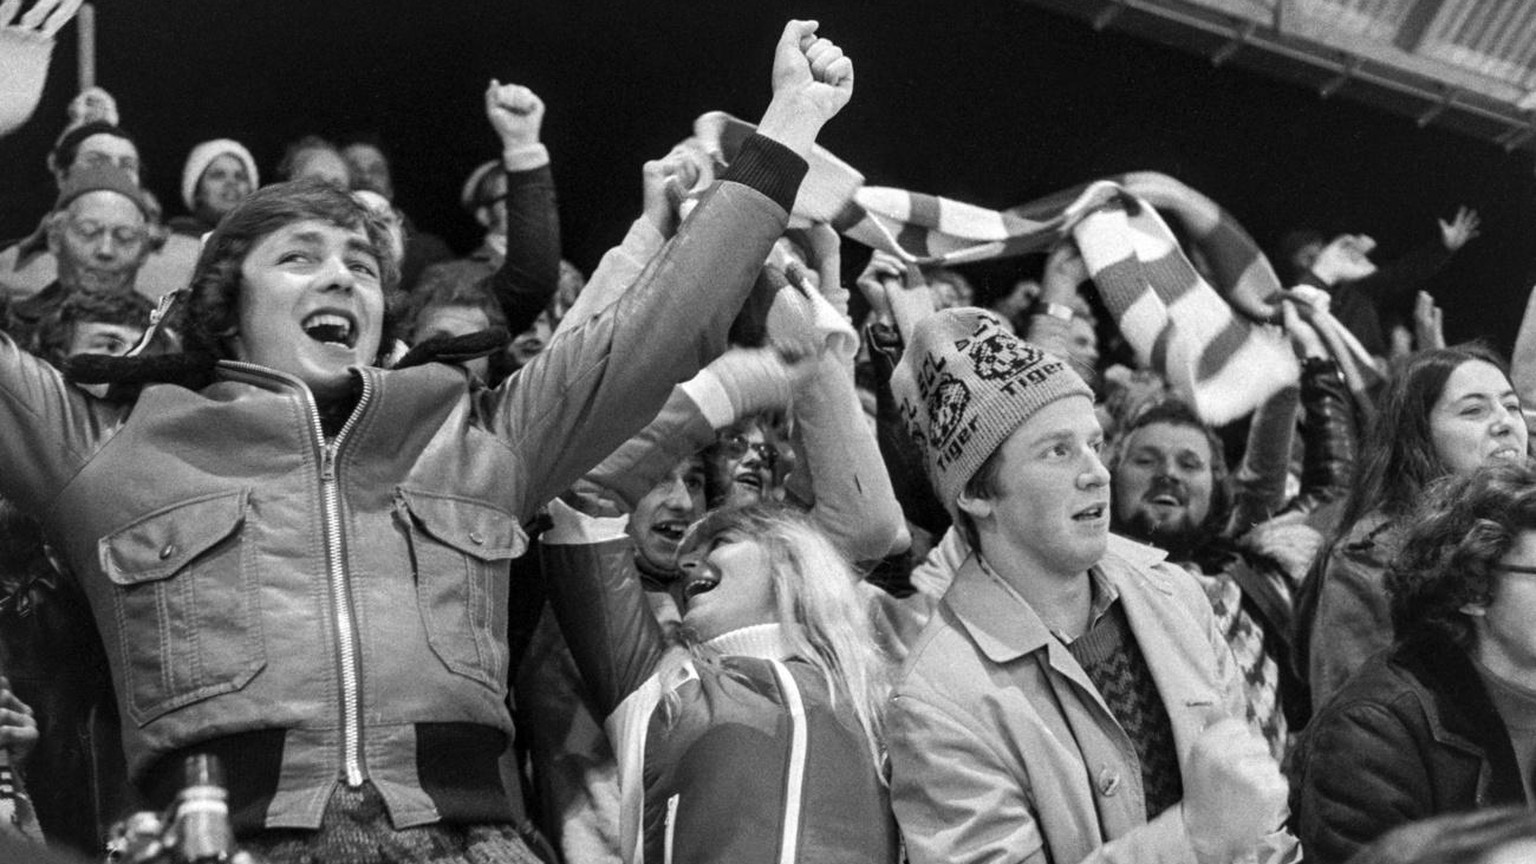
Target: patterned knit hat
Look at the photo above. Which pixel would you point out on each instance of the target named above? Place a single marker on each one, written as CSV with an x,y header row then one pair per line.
x,y
964,384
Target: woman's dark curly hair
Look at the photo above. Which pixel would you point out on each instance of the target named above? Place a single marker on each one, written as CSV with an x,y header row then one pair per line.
x,y
212,309
1452,547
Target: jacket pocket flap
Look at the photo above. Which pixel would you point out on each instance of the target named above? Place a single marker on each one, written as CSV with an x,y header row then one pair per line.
x,y
157,545
473,528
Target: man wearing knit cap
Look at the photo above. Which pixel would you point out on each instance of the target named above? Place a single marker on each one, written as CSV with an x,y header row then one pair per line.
x,y
99,233
1070,699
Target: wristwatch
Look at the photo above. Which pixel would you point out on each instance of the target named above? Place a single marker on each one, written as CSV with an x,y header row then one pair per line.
x,y
1055,310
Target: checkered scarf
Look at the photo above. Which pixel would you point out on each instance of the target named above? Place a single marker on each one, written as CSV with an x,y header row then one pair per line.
x,y
1208,341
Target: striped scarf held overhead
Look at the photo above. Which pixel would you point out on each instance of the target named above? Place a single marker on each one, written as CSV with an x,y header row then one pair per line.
x,y
1208,342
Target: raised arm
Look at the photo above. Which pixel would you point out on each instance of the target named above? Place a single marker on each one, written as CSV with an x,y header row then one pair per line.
x,y
598,384
737,384
530,273
661,179
47,428
839,475
597,598
26,46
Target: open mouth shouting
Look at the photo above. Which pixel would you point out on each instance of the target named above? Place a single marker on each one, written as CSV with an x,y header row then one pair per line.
x,y
699,583
331,328
750,479
671,530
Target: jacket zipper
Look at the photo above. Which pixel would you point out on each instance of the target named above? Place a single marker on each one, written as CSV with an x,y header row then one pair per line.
x,y
336,571
341,592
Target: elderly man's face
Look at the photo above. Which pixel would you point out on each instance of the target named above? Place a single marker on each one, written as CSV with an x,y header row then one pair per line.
x,y
311,304
102,150
100,241
369,169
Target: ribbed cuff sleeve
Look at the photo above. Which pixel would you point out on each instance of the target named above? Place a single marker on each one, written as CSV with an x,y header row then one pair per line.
x,y
770,168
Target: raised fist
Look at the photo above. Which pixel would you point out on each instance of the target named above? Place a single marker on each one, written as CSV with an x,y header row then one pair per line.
x,y
515,112
812,69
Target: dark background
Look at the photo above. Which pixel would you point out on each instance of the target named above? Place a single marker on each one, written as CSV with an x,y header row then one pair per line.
x,y
990,102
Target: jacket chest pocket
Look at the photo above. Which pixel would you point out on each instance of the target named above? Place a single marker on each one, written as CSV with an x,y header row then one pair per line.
x,y
185,603
460,551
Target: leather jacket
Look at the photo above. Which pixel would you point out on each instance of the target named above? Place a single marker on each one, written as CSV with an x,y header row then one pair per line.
x,y
1412,735
316,609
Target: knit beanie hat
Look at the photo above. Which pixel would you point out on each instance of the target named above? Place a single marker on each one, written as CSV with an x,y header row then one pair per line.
x,y
964,384
203,155
99,178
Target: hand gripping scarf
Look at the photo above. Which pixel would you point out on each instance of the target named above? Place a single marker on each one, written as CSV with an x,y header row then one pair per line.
x,y
1211,343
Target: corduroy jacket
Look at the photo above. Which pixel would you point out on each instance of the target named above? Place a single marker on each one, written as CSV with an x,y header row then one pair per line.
x,y
316,609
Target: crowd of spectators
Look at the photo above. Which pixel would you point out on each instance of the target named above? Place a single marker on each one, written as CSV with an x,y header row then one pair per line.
x,y
704,557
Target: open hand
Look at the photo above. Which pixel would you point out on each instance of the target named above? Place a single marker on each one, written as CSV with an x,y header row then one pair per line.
x,y
1345,259
1428,323
1461,229
44,20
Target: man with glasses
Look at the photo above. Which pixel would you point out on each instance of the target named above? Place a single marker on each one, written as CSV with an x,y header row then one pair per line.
x,y
99,233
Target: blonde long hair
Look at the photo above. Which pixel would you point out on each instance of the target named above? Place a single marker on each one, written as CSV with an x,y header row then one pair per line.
x,y
813,587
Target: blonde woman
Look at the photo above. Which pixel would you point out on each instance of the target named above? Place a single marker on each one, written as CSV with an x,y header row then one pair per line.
x,y
752,731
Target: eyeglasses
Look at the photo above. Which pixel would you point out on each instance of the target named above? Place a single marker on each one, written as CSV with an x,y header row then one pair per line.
x,y
736,446
1514,568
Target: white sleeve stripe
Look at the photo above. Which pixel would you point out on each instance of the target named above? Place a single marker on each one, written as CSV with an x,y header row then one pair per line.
x,y
794,793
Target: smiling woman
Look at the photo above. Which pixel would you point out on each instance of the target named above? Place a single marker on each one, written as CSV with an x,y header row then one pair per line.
x,y
713,724
1446,412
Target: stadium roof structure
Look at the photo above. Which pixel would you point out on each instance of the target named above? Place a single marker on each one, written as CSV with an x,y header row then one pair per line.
x,y
1467,65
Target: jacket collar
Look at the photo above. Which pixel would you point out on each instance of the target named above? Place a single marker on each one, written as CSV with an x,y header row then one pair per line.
x,y
1005,627
1460,710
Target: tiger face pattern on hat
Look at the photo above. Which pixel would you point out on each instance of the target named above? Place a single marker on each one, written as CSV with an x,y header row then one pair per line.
x,y
964,384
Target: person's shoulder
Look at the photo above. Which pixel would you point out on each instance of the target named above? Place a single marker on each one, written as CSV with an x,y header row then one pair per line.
x,y
943,658
1128,563
1382,686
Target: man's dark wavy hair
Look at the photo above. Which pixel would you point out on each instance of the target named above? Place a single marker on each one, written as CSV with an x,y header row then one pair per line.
x,y
212,309
1452,546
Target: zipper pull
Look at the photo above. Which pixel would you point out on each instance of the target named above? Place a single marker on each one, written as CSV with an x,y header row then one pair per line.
x,y
328,462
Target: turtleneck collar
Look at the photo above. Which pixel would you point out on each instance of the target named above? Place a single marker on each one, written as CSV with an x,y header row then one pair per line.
x,y
764,641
